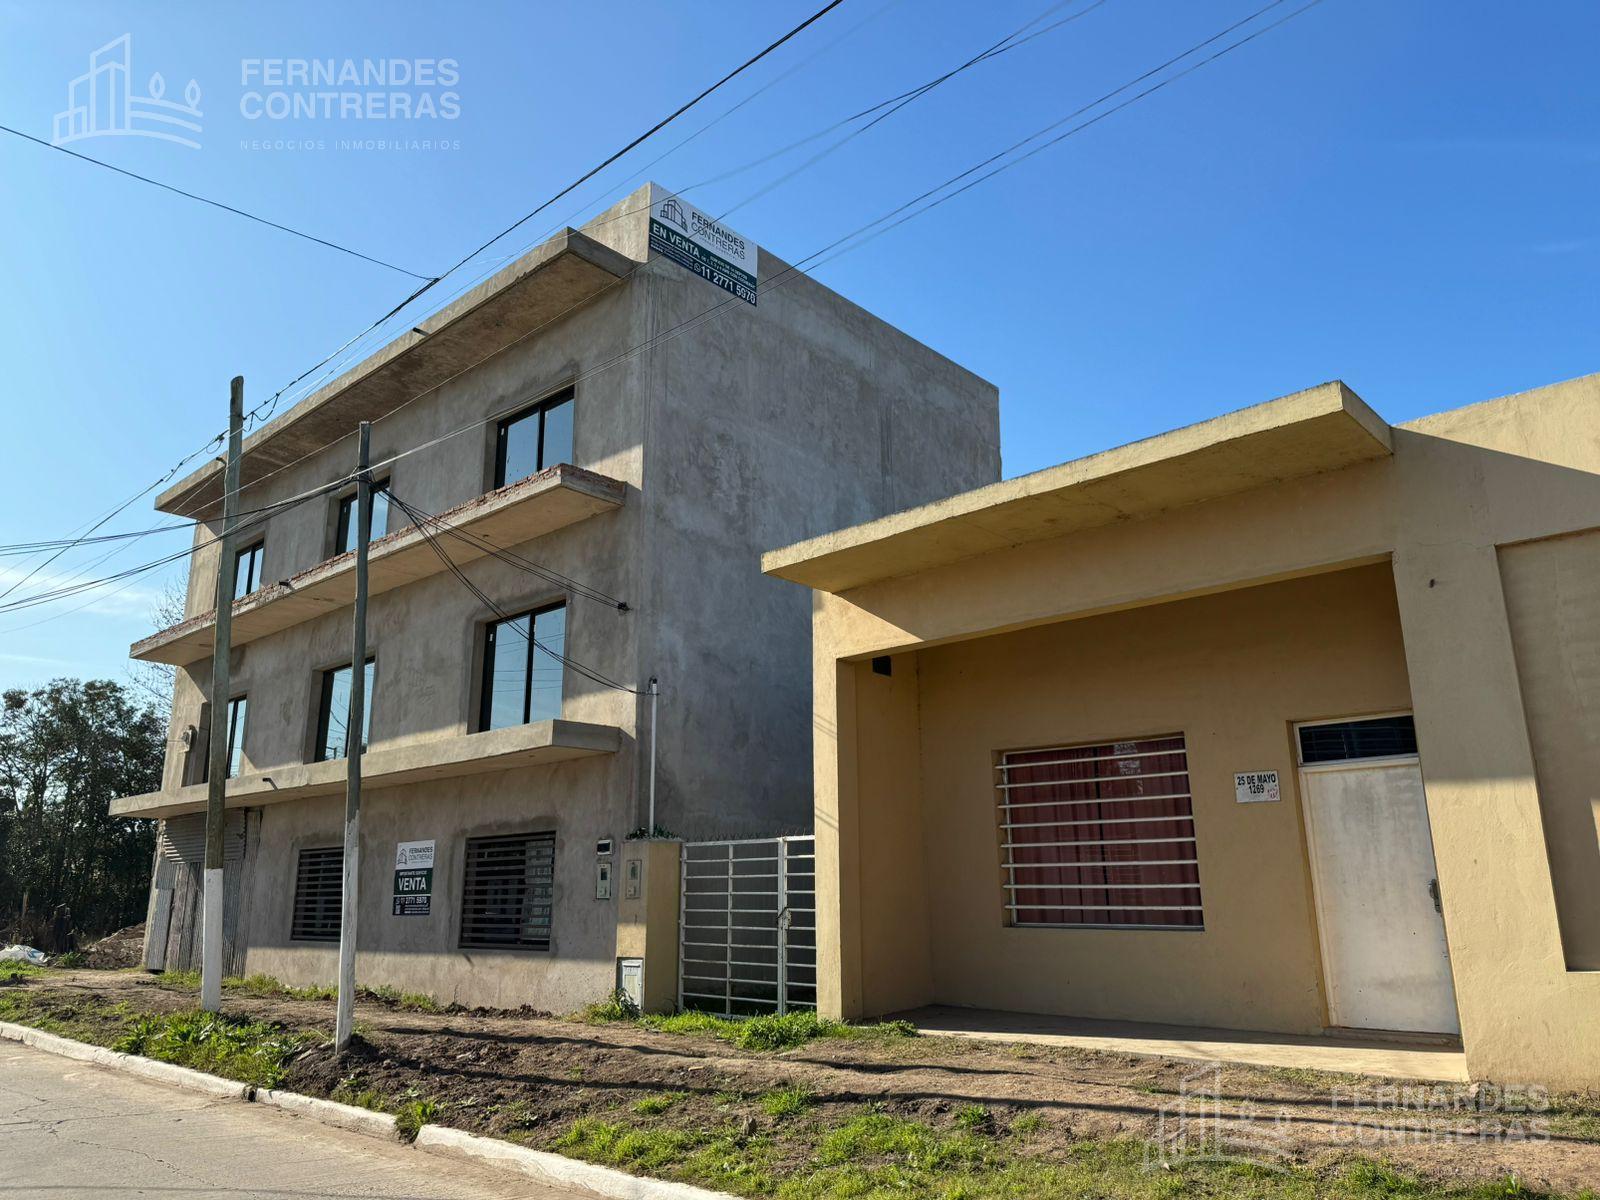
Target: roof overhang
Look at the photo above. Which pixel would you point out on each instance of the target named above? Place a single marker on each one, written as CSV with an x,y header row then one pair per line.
x,y
519,512
434,758
1321,429
543,285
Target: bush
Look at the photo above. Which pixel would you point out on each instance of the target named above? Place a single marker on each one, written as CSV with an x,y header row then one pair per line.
x,y
250,1051
618,1006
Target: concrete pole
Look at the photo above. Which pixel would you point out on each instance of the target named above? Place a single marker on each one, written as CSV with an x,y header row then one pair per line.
x,y
355,735
217,760
655,695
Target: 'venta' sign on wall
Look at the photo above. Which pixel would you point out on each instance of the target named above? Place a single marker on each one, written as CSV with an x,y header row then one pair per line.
x,y
705,246
413,879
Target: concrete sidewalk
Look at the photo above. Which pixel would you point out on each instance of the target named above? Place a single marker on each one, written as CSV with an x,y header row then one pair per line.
x,y
71,1129
1397,1057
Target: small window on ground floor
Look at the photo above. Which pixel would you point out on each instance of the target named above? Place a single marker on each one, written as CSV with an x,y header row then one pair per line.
x,y
1100,835
507,894
1343,741
318,887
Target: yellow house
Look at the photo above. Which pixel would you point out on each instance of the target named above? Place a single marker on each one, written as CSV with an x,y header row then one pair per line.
x,y
1286,721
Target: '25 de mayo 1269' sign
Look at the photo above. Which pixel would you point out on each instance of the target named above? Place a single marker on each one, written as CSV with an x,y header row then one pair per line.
x,y
705,246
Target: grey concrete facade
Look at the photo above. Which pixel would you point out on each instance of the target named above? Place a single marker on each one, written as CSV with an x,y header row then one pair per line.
x,y
753,427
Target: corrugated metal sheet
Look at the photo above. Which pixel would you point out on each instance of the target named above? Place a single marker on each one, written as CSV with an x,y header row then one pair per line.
x,y
184,838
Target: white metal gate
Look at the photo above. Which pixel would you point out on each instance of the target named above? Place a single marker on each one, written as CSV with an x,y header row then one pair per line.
x,y
747,937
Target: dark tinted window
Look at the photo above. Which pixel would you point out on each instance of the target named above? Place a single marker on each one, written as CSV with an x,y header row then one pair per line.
x,y
237,708
1380,737
534,439
318,889
333,716
507,891
522,675
247,570
345,536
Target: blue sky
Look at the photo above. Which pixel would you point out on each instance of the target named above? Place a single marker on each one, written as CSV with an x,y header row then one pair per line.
x,y
1399,194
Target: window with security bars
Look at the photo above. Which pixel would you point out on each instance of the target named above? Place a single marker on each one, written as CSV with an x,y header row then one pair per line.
x,y
506,897
318,887
1100,835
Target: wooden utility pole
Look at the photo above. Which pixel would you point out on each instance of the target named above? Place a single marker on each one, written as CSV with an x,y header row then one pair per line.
x,y
212,902
355,736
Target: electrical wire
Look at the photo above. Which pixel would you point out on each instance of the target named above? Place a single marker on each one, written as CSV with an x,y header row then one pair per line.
x,y
483,598
228,208
510,558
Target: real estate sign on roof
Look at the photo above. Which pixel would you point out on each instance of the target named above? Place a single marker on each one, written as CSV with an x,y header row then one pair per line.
x,y
705,246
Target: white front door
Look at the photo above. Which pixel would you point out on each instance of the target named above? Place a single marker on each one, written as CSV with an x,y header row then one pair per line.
x,y
1378,902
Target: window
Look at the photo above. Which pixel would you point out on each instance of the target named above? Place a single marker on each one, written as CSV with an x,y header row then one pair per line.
x,y
318,892
522,673
333,712
247,569
506,896
534,439
344,538
236,713
1377,737
198,765
1100,835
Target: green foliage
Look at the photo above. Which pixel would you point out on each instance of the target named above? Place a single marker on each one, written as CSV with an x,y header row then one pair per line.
x,y
16,972
70,961
974,1117
410,1001
775,1032
659,1103
1028,1122
615,1007
66,751
786,1102
414,1112
250,1051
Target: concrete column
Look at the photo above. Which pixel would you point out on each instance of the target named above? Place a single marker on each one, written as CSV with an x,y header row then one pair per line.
x,y
1524,1017
647,917
837,831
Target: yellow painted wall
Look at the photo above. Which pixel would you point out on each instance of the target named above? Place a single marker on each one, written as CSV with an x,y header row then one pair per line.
x,y
1553,597
1459,487
1231,673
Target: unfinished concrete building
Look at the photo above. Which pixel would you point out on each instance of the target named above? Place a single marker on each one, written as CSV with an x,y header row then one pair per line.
x,y
596,425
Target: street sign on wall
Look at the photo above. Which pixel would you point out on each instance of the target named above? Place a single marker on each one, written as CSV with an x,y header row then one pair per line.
x,y
690,238
413,879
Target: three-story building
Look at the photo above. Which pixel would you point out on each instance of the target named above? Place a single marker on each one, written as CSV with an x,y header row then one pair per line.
x,y
577,464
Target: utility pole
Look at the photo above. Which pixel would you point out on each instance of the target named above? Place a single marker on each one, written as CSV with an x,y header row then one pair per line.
x,y
355,735
217,769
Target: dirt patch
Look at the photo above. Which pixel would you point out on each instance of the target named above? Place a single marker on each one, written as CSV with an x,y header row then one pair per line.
x,y
531,1077
116,951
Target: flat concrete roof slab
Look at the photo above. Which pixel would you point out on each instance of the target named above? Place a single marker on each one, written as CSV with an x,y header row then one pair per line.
x,y
542,286
432,758
1321,429
553,499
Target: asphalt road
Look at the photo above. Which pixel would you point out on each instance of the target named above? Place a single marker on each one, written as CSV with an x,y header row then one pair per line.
x,y
70,1129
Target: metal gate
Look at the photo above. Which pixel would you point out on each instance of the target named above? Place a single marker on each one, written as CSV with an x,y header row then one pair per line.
x,y
747,935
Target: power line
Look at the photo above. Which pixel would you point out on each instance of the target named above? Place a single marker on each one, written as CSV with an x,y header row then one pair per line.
x,y
228,208
528,566
585,177
1010,42
798,268
483,598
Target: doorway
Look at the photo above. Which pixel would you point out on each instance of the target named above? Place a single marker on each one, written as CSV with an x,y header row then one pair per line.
x,y
1379,908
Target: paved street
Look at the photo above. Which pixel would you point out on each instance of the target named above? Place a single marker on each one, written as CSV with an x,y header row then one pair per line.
x,y
69,1129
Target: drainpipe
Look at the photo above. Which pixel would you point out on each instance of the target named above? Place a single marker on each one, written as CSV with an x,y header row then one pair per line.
x,y
655,695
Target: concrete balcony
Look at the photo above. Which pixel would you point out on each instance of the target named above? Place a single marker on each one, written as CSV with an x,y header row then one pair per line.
x,y
437,758
553,499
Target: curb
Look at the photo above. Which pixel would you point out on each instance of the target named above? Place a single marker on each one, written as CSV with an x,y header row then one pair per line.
x,y
331,1112
555,1169
538,1165
194,1081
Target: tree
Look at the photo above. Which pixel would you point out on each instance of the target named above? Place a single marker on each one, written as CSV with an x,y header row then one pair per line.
x,y
151,682
66,751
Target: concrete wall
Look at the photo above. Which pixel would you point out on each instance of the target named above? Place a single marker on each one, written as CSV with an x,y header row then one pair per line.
x,y
756,426
1458,488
